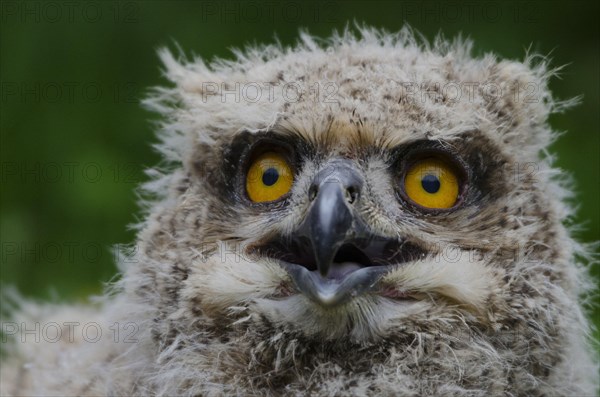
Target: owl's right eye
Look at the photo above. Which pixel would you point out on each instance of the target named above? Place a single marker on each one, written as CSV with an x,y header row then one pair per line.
x,y
269,177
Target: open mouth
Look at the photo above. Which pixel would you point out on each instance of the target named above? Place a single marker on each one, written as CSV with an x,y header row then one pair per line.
x,y
355,268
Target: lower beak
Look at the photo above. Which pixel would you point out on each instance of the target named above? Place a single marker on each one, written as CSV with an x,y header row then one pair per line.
x,y
331,292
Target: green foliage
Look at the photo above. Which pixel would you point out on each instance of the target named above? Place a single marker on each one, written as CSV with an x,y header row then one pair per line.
x,y
75,141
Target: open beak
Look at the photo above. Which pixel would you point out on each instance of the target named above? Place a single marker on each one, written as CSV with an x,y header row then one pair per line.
x,y
331,219
333,256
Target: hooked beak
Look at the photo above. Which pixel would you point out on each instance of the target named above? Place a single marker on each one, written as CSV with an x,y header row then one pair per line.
x,y
330,220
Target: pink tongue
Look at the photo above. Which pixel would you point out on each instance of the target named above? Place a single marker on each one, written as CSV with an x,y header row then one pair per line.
x,y
340,270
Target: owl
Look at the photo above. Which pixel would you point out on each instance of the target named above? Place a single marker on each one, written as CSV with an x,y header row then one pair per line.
x,y
369,214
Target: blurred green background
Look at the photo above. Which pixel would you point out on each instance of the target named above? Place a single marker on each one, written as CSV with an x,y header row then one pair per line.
x,y
75,141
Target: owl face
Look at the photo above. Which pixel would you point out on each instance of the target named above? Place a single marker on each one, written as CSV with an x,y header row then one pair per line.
x,y
348,235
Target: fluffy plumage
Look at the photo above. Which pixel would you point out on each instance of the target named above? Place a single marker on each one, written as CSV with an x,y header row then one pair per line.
x,y
497,306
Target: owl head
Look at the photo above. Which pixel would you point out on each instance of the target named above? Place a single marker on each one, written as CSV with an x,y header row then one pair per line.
x,y
365,213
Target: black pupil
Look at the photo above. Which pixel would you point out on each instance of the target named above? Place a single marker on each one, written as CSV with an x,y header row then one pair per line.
x,y
270,176
430,183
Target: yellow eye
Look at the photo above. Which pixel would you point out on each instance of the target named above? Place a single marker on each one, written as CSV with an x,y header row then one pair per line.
x,y
432,183
269,177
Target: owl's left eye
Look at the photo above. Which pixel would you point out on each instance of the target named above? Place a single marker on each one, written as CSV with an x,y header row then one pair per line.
x,y
432,183
269,177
